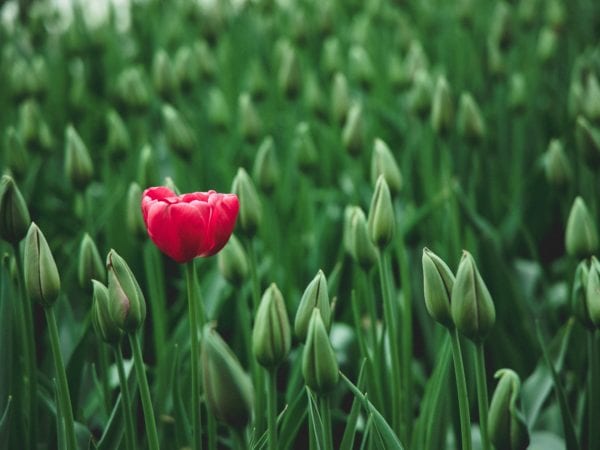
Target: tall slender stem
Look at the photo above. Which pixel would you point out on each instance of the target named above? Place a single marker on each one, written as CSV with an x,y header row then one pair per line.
x,y
61,375
193,317
157,302
461,387
406,339
272,407
482,396
127,405
388,311
138,362
103,358
326,417
592,392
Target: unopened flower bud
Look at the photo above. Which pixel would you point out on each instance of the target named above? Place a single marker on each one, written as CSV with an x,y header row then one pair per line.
x,y
232,262
361,248
438,281
78,163
229,393
315,296
384,163
289,75
219,114
133,215
118,141
332,59
501,30
163,75
506,426
588,141
180,136
304,147
266,169
30,119
496,61
147,172
271,335
381,221
579,304
16,154
581,237
103,324
442,110
319,365
591,98
126,301
185,68
90,264
473,311
556,165
313,96
255,81
208,63
420,94
361,66
592,293
41,275
250,215
353,132
547,44
132,88
416,60
249,120
340,98
14,215
470,121
517,96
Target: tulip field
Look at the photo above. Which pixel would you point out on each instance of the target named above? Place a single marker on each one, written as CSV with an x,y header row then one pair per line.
x,y
311,224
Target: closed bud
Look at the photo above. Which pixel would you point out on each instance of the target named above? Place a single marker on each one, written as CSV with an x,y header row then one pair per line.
x,y
384,163
249,120
90,264
442,110
506,426
180,135
219,114
289,75
133,215
250,215
591,98
30,119
163,75
501,30
41,275
78,163
319,365
304,147
14,215
581,237
592,292
361,248
547,44
132,88
361,66
340,98
126,301
555,14
579,304
470,121
266,168
349,212
420,94
556,165
438,282
271,335
528,11
313,96
118,141
472,308
256,83
315,296
397,73
16,156
517,96
588,141
495,59
232,262
416,61
228,390
185,67
208,63
331,58
381,223
147,172
353,132
103,324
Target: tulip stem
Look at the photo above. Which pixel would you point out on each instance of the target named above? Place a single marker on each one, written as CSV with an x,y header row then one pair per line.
x,y
127,408
63,387
272,408
326,417
461,387
592,380
388,311
103,361
195,347
144,393
482,395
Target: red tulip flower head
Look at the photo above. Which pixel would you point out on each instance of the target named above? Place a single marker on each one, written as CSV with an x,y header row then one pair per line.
x,y
189,225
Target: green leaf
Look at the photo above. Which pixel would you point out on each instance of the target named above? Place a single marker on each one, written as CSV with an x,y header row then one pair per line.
x,y
352,420
5,422
292,419
315,422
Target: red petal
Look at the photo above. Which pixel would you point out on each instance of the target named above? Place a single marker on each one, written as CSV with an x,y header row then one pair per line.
x,y
225,209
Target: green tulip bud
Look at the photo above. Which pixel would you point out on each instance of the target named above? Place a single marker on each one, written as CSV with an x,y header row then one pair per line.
x,y
591,98
381,223
421,92
556,164
77,86
185,68
118,141
361,248
16,154
163,75
271,335
349,212
517,96
506,426
46,140
232,262
555,14
442,111
315,296
250,215
340,98
103,324
14,215
438,282
319,365
218,110
528,11
304,147
496,60
547,44
332,59
353,132
581,237
208,63
416,61
41,275
133,215
501,30
470,121
588,141
30,119
579,303
266,169
132,88
384,163
361,66
147,172
289,75
313,96
397,73
229,393
256,80
90,264
78,163
592,293
126,301
472,307
249,120
180,135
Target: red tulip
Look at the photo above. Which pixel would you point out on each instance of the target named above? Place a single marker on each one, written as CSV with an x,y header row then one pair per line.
x,y
189,225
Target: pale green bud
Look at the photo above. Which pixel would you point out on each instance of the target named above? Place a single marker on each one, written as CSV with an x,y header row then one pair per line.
x,y
132,88
256,80
438,282
581,237
361,66
289,75
470,120
340,98
319,365
206,59
14,215
315,296
30,119
588,141
416,61
332,59
219,113
118,141
579,304
517,96
501,30
313,96
361,248
180,136
304,147
16,158
384,163
78,163
103,324
353,132
126,301
133,214
592,292
591,98
163,75
90,264
547,44
495,59
249,121
271,335
185,67
41,275
473,311
266,168
147,172
555,14
556,165
381,223
442,110
420,94
250,215
232,261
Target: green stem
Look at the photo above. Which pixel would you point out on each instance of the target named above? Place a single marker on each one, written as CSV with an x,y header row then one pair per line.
x,y
127,405
326,417
156,295
272,408
482,396
239,443
593,379
461,387
63,387
140,371
195,347
103,357
253,275
388,311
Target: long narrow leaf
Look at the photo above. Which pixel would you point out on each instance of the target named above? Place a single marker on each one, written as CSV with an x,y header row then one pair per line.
x,y
352,421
